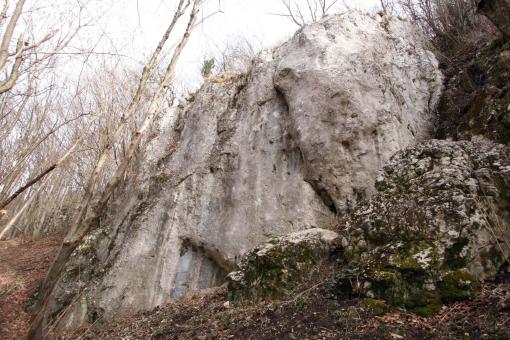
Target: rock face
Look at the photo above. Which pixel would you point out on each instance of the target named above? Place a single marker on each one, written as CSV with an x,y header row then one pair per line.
x,y
355,99
439,223
274,268
278,150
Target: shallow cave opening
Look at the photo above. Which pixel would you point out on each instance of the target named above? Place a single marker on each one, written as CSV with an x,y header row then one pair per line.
x,y
197,269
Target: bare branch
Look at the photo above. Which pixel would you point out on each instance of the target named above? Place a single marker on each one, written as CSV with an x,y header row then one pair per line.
x,y
9,31
316,10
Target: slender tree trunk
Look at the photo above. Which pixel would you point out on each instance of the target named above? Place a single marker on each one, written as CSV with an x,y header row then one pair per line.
x,y
94,204
28,185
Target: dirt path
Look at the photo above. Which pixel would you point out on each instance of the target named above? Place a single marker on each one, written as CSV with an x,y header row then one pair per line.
x,y
23,265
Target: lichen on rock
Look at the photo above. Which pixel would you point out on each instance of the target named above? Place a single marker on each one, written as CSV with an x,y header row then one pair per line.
x,y
433,230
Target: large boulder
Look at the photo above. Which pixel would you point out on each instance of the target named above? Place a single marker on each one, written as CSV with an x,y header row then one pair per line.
x,y
277,266
254,156
439,224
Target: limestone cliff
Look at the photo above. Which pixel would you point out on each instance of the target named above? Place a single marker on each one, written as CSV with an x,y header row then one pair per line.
x,y
286,147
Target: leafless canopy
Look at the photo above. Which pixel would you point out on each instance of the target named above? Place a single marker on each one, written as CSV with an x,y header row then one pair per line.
x,y
303,12
34,126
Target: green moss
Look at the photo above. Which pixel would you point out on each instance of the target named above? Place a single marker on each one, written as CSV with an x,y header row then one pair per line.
x,y
385,276
423,297
272,275
409,259
416,299
457,286
378,307
409,263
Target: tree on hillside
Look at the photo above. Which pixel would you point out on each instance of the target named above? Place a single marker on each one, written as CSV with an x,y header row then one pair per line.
x,y
32,122
95,199
453,25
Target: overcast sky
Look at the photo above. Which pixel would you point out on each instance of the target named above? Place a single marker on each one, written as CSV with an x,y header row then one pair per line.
x,y
134,27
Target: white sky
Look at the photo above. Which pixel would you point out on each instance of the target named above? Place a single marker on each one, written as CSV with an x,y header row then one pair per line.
x,y
134,27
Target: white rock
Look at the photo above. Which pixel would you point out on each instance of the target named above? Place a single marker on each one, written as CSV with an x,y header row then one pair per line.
x,y
281,150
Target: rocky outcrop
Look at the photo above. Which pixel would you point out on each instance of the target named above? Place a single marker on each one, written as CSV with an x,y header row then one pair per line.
x,y
274,268
281,149
355,98
439,224
498,11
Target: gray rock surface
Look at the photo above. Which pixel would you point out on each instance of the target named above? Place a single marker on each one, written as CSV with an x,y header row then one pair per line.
x,y
355,98
439,224
278,150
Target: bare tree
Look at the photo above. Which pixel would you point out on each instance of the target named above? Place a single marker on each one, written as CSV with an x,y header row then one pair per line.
x,y
31,123
304,12
43,116
99,103
236,55
94,201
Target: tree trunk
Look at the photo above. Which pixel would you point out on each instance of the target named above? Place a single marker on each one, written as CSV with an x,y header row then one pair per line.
x,y
95,203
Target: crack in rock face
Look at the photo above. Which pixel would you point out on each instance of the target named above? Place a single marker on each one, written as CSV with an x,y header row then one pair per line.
x,y
281,149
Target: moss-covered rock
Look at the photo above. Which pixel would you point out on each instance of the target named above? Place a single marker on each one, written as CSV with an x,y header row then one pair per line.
x,y
456,286
438,225
274,268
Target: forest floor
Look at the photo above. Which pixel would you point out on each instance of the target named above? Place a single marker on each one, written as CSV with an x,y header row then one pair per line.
x,y
23,266
311,313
